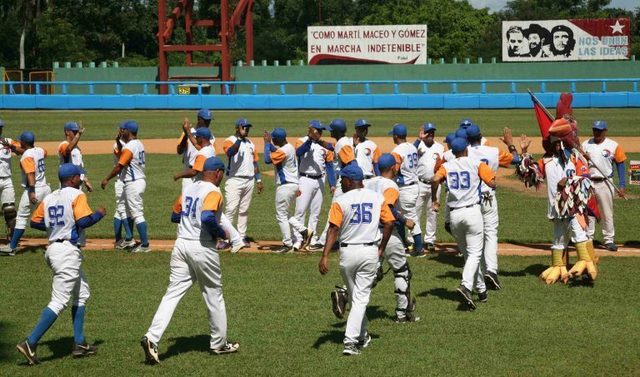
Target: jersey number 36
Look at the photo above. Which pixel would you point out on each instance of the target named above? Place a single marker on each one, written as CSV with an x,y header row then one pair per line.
x,y
361,213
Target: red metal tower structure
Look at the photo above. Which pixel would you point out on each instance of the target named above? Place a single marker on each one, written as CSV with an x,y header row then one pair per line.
x,y
226,24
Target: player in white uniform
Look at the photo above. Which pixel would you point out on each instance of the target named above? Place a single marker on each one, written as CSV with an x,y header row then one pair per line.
x,y
406,156
489,206
194,259
130,169
242,171
343,155
69,151
430,154
465,123
282,155
61,214
7,193
394,252
187,145
603,153
356,216
464,176
447,156
32,164
315,160
205,150
366,151
121,216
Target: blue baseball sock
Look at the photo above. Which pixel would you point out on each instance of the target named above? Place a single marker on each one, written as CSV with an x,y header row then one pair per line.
x,y
17,234
129,223
128,233
403,235
47,318
117,228
142,230
417,243
77,316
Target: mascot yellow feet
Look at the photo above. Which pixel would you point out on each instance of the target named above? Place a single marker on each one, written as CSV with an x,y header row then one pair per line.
x,y
585,261
558,269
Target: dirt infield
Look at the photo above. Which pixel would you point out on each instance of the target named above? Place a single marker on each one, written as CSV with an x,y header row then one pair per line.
x,y
536,249
168,146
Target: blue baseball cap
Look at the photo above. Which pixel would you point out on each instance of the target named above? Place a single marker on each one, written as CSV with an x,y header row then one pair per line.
x,y
428,127
599,125
204,132
1,123
458,145
130,125
27,137
243,122
352,171
213,164
71,126
449,138
461,132
386,161
205,114
361,123
279,133
399,129
317,124
473,131
466,122
338,125
69,170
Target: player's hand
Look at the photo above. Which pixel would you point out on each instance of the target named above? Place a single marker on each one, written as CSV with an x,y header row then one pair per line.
x,y
267,137
176,177
88,185
260,187
562,183
333,190
421,134
298,193
410,224
104,183
621,193
435,206
524,143
82,129
186,127
323,266
32,198
507,137
101,210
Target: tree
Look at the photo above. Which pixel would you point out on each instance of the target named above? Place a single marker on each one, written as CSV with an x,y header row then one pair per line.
x,y
58,40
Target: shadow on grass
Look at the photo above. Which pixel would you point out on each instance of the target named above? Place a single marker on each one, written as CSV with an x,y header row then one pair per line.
x,y
530,245
30,249
456,275
445,294
336,336
449,259
534,270
61,347
184,344
6,349
583,281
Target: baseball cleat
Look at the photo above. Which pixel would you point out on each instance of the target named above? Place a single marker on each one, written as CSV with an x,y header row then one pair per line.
x,y
227,348
307,234
85,349
315,247
30,354
237,247
483,296
491,279
351,349
284,249
7,251
429,247
418,254
224,245
339,301
364,343
246,243
141,249
465,295
407,319
150,351
611,246
124,244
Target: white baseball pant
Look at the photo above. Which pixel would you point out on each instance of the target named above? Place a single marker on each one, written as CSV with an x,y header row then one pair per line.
x,y
604,198
566,229
121,206
489,208
408,208
431,218
336,194
394,254
25,207
358,266
237,193
311,193
467,228
69,282
193,261
285,195
7,194
133,194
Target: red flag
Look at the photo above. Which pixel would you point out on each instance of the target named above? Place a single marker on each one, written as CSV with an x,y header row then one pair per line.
x,y
592,207
544,121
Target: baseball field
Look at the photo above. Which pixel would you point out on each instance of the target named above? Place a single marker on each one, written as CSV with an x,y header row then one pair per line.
x,y
278,306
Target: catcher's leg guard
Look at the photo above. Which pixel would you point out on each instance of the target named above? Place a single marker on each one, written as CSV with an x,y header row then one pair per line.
x,y
10,214
558,269
339,298
584,261
406,305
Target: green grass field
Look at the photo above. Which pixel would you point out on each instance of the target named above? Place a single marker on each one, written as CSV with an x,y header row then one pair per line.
x,y
278,310
101,125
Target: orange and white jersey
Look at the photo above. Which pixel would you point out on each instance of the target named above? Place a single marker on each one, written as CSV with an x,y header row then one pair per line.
x,y
132,159
406,156
464,176
195,198
429,158
285,164
241,163
358,214
386,187
313,162
116,152
491,156
60,211
603,156
189,155
367,153
201,157
5,158
448,156
32,161
344,151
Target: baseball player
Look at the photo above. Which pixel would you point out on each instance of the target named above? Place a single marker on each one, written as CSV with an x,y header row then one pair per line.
x,y
356,216
366,151
489,203
465,123
61,214
343,150
430,155
32,164
394,252
187,144
7,193
282,155
194,259
120,215
603,153
242,171
315,161
130,170
69,151
204,151
463,176
406,156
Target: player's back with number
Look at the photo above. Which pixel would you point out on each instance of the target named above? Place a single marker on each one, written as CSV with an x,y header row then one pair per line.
x,y
406,156
32,161
60,210
196,198
464,176
358,214
132,157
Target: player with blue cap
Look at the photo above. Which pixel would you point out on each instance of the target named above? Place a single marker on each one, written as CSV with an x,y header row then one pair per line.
x,y
466,122
7,192
365,150
70,152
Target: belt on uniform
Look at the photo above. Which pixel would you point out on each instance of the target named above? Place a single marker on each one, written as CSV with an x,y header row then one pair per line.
x,y
368,176
408,184
426,181
311,176
59,240
344,244
469,206
598,179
